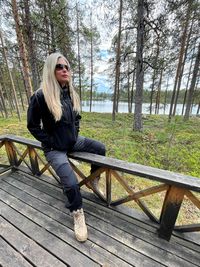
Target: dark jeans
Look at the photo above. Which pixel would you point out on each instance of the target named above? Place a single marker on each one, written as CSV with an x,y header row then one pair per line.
x,y
59,162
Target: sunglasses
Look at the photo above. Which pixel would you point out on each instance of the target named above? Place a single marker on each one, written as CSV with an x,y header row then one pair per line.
x,y
62,66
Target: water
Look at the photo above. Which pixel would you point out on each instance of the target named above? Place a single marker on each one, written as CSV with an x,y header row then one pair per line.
x,y
106,106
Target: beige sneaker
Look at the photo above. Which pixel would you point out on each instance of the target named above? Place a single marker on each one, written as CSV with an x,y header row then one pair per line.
x,y
80,228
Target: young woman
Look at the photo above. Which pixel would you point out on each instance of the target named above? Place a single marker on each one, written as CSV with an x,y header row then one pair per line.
x,y
53,119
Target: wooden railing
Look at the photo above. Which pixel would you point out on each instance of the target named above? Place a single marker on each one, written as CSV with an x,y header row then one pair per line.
x,y
175,185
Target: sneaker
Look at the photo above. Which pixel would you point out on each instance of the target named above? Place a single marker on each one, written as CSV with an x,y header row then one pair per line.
x,y
80,228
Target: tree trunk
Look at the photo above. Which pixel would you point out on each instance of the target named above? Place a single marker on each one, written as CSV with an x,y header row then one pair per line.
x,y
11,79
139,67
189,74
158,93
91,64
165,100
152,91
31,45
6,94
182,69
47,28
192,85
198,109
3,102
132,90
51,24
154,76
117,66
128,89
182,49
22,50
19,90
79,56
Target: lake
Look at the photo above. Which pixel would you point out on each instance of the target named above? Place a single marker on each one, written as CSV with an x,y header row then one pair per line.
x,y
107,106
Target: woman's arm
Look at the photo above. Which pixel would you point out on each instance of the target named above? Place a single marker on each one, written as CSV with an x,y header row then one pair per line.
x,y
77,121
34,122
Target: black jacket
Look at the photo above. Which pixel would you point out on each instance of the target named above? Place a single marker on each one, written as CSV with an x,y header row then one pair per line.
x,y
60,135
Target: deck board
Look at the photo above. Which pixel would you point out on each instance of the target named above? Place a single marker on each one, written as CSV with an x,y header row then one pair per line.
x,y
27,247
10,257
33,208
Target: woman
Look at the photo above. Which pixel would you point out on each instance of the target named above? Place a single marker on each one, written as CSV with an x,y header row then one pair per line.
x,y
53,119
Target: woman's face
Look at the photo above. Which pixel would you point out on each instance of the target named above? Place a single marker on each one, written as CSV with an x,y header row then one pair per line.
x,y
62,72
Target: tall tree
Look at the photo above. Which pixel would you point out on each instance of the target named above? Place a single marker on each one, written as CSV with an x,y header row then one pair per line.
x,y
22,49
30,42
11,78
138,125
182,68
3,104
192,85
91,61
188,79
117,66
78,46
181,56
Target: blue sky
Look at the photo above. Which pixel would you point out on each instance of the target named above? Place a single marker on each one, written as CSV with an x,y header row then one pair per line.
x,y
101,78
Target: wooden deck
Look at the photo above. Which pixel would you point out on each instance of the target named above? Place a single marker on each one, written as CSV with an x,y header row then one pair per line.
x,y
37,230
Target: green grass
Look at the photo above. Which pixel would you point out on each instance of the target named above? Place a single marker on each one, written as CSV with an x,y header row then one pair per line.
x,y
174,146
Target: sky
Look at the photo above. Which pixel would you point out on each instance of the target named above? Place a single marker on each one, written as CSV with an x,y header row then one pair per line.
x,y
101,78
101,66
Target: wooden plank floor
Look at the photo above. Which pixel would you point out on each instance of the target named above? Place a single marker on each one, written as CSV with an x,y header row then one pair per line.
x,y
37,230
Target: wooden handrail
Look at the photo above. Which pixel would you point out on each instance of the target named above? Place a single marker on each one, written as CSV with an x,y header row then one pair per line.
x,y
175,185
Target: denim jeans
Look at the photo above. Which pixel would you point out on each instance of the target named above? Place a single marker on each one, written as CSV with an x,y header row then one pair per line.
x,y
59,162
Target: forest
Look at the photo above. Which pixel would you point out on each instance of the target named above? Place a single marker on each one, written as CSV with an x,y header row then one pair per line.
x,y
152,48
142,52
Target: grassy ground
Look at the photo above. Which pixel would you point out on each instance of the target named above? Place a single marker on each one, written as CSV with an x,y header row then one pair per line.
x,y
174,146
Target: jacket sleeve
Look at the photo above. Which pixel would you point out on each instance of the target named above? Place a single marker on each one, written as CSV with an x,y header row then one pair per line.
x,y
34,122
77,121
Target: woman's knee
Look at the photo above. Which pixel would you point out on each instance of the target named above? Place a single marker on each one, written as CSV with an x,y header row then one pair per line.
x,y
67,175
101,149
56,159
98,148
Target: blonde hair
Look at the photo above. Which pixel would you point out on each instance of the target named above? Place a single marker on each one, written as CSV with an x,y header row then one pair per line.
x,y
51,88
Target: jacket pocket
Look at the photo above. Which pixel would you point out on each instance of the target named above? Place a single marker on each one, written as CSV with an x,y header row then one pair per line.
x,y
64,137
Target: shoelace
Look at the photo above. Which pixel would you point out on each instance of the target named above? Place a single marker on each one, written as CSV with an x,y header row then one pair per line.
x,y
79,218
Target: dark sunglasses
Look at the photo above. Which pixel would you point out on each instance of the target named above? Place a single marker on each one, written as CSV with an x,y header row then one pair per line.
x,y
62,66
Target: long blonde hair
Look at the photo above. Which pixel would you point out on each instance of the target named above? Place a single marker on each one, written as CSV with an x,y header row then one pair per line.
x,y
51,88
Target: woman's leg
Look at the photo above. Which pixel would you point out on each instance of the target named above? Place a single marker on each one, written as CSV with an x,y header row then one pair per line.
x,y
84,144
59,162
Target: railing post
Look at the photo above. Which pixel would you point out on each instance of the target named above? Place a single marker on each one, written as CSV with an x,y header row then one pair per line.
x,y
108,186
33,160
170,210
11,153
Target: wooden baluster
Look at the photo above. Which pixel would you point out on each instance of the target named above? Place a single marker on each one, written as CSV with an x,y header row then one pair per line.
x,y
11,153
33,160
108,186
170,210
